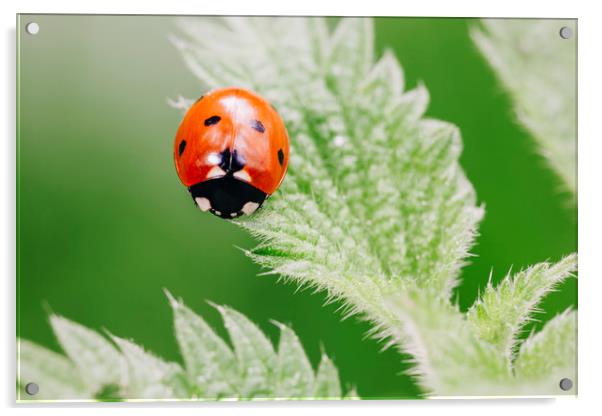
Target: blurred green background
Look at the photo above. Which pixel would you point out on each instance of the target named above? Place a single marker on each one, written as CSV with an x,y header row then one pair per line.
x,y
104,224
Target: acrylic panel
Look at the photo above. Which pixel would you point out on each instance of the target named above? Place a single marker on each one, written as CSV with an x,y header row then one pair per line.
x,y
252,208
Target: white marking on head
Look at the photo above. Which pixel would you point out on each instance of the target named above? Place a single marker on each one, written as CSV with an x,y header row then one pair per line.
x,y
203,203
214,158
242,175
250,207
216,172
233,214
217,213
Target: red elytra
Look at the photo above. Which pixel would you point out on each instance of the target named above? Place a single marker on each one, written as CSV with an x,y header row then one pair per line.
x,y
231,151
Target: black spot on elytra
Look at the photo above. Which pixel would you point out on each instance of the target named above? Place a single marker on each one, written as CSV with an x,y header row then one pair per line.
x,y
258,125
212,120
280,157
181,147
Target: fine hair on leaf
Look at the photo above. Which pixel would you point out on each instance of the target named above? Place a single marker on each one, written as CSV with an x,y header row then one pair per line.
x,y
100,367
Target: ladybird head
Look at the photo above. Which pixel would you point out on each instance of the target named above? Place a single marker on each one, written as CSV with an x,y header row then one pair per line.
x,y
228,192
227,197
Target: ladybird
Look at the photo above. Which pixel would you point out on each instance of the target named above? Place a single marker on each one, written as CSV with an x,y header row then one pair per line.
x,y
231,151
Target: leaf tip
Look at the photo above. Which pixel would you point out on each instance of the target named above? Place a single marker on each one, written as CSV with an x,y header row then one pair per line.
x,y
220,308
278,324
173,302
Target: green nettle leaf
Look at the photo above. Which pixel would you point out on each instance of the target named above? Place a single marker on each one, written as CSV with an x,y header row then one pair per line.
x,y
102,369
294,376
538,68
327,384
449,357
499,325
95,357
150,377
209,361
552,350
375,209
58,376
254,353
